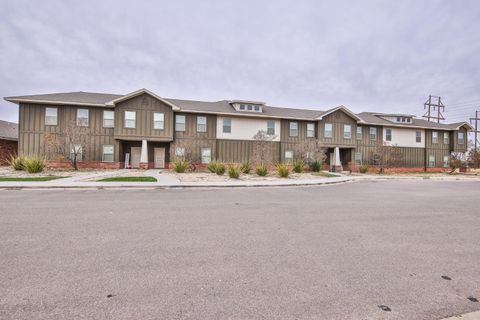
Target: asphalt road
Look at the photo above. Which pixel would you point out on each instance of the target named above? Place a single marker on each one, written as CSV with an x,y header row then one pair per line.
x,y
331,252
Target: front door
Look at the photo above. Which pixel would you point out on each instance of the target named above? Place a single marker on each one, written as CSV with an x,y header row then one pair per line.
x,y
159,158
135,156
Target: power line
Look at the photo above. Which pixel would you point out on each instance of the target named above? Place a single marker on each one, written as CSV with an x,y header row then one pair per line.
x,y
439,107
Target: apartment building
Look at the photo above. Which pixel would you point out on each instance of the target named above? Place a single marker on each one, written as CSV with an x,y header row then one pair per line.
x,y
142,129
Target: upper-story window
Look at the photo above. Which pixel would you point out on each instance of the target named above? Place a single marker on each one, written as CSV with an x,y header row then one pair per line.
x,y
108,118
227,125
270,127
201,124
347,131
242,107
257,108
418,136
249,107
293,129
158,120
51,116
373,133
310,130
461,138
130,119
82,117
434,136
179,122
388,134
328,132
359,133
446,138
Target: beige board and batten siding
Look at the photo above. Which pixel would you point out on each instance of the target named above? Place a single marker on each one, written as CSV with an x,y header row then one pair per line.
x,y
32,130
338,119
295,144
439,150
144,107
236,151
460,147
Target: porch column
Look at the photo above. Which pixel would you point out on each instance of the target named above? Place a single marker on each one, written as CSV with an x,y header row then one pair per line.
x,y
144,155
337,165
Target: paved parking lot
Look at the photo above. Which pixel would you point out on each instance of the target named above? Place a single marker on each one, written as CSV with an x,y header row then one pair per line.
x,y
331,252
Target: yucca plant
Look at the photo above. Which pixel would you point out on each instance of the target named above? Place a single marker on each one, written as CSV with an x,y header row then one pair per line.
x,y
315,166
261,171
283,170
34,164
181,165
245,167
298,166
234,172
16,163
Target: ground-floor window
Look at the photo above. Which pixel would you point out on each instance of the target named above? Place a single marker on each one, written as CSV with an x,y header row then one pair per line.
x,y
206,155
107,153
431,161
358,157
289,156
78,150
446,159
179,152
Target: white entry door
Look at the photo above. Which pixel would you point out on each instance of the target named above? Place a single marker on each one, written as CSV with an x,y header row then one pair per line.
x,y
135,153
159,158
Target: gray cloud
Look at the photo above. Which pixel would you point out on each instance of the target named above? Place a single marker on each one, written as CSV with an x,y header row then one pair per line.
x,y
367,55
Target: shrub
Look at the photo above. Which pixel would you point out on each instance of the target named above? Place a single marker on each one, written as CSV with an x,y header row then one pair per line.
x,y
261,171
316,166
282,170
181,166
246,167
34,164
16,163
219,168
363,168
234,172
211,166
298,166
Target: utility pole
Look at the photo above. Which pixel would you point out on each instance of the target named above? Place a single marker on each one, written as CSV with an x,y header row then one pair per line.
x,y
431,107
476,119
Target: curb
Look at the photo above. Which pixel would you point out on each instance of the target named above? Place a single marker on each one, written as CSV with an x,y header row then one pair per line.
x,y
175,186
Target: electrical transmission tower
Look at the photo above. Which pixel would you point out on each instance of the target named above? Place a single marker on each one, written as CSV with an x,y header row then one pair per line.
x,y
476,119
433,108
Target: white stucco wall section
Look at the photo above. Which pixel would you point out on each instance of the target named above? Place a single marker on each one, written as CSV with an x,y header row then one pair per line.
x,y
245,128
404,137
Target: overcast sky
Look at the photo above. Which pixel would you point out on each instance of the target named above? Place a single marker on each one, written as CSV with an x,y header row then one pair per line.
x,y
367,55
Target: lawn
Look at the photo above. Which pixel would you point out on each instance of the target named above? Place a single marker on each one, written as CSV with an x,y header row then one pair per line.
x,y
129,179
325,174
39,179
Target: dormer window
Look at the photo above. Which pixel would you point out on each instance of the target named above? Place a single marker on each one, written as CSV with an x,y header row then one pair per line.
x,y
248,106
242,107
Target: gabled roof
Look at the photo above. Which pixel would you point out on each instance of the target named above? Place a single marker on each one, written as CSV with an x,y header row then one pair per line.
x,y
72,98
133,94
375,118
8,130
342,108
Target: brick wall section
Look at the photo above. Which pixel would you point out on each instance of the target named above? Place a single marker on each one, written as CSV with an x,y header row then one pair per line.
x,y
7,148
85,165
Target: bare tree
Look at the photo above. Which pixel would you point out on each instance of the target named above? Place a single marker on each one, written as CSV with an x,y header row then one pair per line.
x,y
474,158
386,156
310,151
263,148
456,161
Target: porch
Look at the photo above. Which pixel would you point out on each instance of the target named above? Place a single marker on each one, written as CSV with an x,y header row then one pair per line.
x,y
144,154
338,158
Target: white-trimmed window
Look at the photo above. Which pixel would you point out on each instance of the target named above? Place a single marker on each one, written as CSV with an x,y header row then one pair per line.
x,y
201,124
270,127
288,156
179,152
358,158
227,125
347,131
180,122
107,153
293,129
461,138
434,136
159,120
76,149
130,119
206,155
51,116
373,133
328,132
82,117
310,130
359,133
388,134
446,138
242,107
446,160
418,136
108,118
431,161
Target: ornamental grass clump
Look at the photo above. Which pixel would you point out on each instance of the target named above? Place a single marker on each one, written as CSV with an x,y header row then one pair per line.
x,y
234,172
34,164
283,170
245,167
16,163
363,168
298,166
181,165
315,166
261,171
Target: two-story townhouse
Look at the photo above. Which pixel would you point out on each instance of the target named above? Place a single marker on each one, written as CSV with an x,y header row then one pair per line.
x,y
142,129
